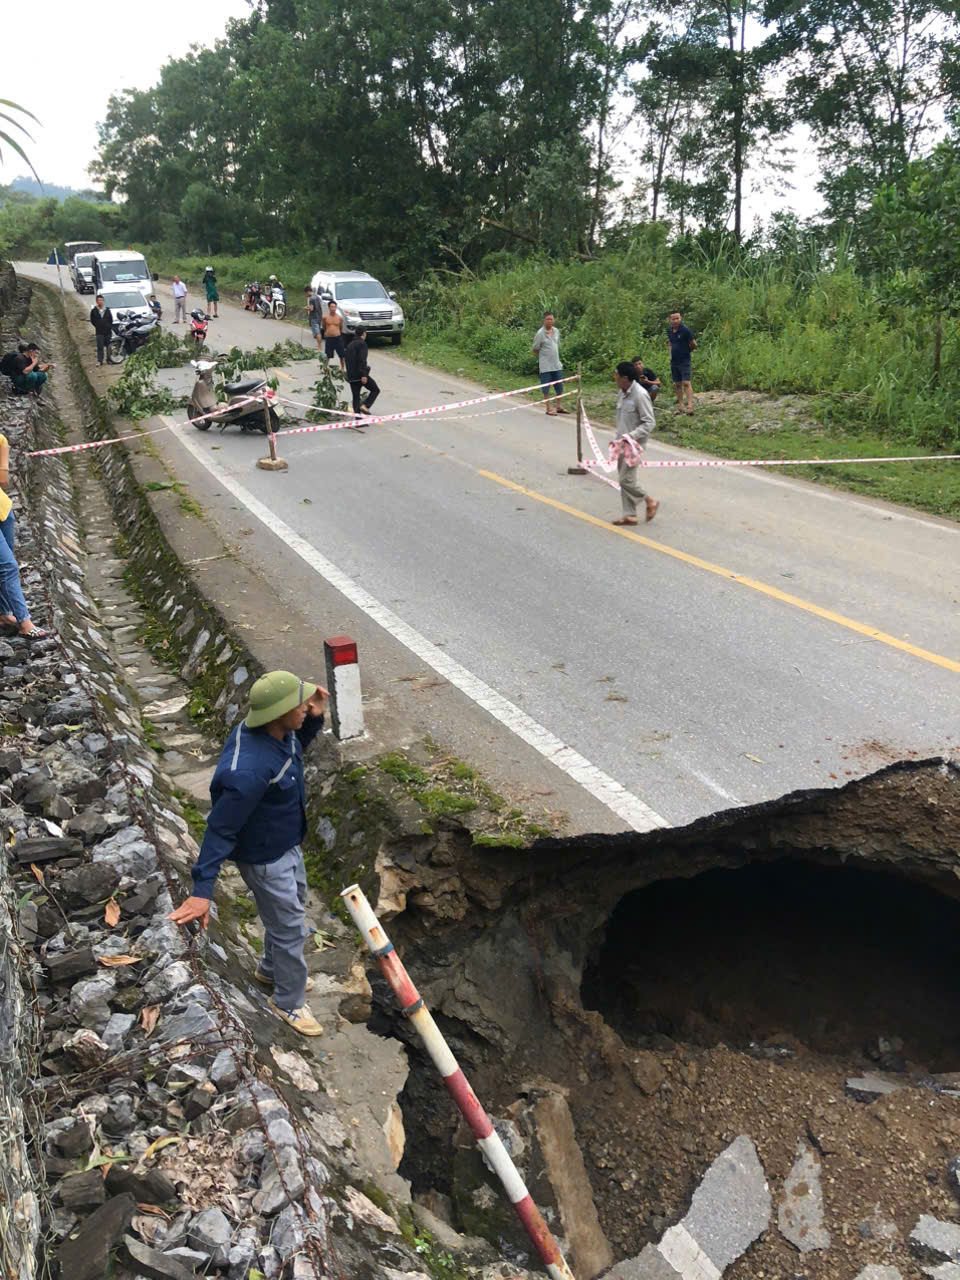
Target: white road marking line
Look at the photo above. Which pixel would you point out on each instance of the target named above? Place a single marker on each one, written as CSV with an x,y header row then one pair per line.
x,y
713,786
600,785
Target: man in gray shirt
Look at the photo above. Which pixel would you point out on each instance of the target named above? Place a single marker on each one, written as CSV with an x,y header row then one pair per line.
x,y
635,421
546,345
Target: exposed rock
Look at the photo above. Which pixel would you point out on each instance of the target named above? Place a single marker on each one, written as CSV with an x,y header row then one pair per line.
x,y
801,1210
76,1139
647,1071
166,983
70,964
366,1211
88,826
94,882
224,1072
86,1049
85,1255
129,853
117,1029
46,848
282,1180
90,1001
210,1233
193,1022
155,1265
82,1190
876,1272
149,1187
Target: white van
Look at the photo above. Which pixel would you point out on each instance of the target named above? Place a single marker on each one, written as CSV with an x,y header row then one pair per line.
x,y
80,255
362,300
112,267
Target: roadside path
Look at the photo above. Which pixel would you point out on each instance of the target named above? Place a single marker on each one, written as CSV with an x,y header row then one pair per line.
x,y
762,634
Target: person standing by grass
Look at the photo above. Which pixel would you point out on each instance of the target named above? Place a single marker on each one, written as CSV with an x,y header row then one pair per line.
x,y
546,346
635,421
259,819
213,295
681,342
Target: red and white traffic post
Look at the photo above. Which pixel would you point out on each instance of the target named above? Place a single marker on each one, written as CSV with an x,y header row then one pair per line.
x,y
343,684
458,1086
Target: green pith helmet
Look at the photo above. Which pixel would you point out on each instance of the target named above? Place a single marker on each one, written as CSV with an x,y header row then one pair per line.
x,y
274,694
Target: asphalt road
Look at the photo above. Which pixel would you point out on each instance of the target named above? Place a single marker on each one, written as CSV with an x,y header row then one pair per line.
x,y
762,634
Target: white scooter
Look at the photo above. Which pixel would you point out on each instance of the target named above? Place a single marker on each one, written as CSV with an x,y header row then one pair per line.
x,y
238,409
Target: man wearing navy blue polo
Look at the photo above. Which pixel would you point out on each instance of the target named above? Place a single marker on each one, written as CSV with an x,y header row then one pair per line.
x,y
681,342
258,819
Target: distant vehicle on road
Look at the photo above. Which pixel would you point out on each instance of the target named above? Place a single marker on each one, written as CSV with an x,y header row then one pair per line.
x,y
121,267
80,255
362,300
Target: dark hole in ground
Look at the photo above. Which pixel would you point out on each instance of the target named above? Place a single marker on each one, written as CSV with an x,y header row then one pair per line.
x,y
832,956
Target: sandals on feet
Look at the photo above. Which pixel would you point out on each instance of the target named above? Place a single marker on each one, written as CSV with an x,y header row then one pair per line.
x,y
625,520
653,506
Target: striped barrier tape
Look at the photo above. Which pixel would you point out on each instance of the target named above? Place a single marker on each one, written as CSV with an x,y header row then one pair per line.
x,y
599,462
372,420
138,435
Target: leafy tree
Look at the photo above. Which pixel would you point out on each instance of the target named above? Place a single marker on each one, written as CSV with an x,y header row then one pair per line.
x,y
914,228
873,79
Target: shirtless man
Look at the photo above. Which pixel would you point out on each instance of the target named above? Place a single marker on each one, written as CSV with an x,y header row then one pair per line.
x,y
333,334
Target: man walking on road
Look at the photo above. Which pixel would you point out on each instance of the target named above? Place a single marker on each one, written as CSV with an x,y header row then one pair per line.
x,y
258,819
635,421
179,291
358,372
681,342
101,317
546,346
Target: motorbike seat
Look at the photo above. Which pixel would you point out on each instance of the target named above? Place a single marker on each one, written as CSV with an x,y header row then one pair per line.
x,y
244,387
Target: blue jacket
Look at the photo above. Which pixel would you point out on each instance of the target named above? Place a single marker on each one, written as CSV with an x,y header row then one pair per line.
x,y
259,807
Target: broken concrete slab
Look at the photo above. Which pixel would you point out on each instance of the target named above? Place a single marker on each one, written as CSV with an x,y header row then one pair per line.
x,y
933,1240
876,1272
731,1206
729,1210
800,1217
590,1251
943,1271
869,1087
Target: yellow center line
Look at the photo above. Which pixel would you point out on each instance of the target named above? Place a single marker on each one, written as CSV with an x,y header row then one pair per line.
x,y
861,628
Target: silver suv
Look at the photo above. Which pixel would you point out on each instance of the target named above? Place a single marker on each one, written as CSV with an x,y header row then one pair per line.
x,y
362,300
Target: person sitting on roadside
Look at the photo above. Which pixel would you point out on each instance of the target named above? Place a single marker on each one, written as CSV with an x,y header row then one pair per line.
x,y
647,378
155,306
24,369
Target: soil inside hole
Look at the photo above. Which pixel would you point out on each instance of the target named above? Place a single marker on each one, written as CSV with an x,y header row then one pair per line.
x,y
830,956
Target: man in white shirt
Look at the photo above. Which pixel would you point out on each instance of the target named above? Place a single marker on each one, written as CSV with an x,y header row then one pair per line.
x,y
179,292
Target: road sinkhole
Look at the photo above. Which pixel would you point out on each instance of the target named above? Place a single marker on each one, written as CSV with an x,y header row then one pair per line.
x,y
775,958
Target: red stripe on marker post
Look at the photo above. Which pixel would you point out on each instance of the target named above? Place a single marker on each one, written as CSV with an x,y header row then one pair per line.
x,y
343,682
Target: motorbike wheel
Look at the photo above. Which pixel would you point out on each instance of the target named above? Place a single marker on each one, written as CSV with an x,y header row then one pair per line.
x,y
280,310
274,423
116,352
193,411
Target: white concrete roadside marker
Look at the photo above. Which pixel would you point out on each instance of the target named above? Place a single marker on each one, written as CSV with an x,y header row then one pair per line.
x,y
343,683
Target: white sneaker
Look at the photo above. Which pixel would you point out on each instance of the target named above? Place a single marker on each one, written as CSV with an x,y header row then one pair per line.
x,y
301,1020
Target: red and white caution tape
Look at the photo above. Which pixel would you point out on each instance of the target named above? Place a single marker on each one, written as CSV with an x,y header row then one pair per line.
x,y
138,435
369,420
601,463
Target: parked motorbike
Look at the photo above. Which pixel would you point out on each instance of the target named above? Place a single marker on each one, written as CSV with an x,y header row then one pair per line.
x,y
248,417
274,302
130,333
198,328
251,296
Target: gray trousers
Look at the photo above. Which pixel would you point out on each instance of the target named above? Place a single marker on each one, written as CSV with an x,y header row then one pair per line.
x,y
180,309
630,491
279,889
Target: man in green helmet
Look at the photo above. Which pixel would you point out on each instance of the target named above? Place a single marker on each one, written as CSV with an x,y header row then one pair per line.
x,y
258,818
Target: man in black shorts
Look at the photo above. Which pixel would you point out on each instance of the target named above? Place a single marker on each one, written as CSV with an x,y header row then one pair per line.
x,y
681,342
333,334
647,378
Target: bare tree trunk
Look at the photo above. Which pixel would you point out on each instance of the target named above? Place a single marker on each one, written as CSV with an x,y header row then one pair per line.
x,y
937,344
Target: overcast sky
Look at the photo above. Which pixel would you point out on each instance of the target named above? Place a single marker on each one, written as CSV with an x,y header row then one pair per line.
x,y
91,52
67,79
